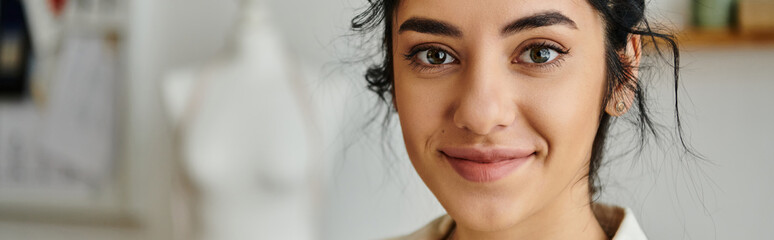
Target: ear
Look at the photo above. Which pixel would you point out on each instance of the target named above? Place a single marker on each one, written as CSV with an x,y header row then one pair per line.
x,y
622,97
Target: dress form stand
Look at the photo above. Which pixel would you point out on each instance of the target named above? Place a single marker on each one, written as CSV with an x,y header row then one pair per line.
x,y
245,138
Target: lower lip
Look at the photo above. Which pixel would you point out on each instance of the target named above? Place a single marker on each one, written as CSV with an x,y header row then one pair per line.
x,y
485,172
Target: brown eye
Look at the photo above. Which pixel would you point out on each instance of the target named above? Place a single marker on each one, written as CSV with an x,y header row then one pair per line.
x,y
540,54
434,57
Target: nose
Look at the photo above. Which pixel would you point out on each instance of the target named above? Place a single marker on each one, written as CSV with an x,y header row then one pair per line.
x,y
486,101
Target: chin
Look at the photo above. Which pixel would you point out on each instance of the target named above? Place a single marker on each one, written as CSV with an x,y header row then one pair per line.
x,y
488,214
495,205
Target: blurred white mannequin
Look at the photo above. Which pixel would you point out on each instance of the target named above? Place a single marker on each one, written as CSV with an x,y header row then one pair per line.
x,y
245,138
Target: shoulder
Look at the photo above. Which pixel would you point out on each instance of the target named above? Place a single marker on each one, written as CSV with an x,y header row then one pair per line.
x,y
435,230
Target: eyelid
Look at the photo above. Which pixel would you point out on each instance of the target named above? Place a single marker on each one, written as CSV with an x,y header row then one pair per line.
x,y
540,43
423,67
561,50
429,46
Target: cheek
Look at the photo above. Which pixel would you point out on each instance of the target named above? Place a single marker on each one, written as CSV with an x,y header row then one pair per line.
x,y
566,113
420,109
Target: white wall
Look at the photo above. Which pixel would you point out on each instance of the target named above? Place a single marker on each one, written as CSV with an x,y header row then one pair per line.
x,y
728,117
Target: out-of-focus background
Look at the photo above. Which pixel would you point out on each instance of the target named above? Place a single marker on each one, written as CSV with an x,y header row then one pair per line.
x,y
227,119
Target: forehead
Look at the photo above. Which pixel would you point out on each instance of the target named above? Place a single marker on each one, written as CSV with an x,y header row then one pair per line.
x,y
484,15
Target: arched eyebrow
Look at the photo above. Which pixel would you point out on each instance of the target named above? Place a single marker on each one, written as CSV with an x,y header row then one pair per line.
x,y
543,19
430,26
437,27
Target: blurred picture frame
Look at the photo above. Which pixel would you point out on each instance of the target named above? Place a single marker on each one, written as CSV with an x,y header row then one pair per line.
x,y
60,149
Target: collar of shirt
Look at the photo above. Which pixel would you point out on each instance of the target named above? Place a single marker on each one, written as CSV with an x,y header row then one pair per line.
x,y
618,222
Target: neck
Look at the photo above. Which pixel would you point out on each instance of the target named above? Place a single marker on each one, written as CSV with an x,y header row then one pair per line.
x,y
568,216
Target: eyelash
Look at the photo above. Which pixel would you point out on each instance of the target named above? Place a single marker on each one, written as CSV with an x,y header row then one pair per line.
x,y
421,67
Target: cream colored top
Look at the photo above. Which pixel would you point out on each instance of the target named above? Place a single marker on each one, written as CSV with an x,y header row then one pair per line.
x,y
616,222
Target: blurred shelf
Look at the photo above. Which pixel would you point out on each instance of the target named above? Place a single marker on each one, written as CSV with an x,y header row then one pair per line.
x,y
724,38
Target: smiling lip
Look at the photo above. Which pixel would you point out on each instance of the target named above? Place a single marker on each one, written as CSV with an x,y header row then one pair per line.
x,y
478,164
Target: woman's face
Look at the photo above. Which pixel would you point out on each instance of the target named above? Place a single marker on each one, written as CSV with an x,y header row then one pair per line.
x,y
499,102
